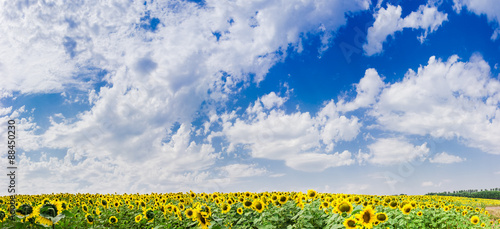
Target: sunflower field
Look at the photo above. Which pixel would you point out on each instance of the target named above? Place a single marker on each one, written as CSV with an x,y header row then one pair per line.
x,y
246,210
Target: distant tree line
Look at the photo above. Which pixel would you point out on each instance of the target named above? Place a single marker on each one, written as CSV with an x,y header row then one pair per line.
x,y
493,193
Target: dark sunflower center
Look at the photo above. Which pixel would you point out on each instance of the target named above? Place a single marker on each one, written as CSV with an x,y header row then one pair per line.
x,y
113,220
248,203
366,217
407,210
150,214
202,220
381,217
190,213
90,218
351,223
2,215
31,220
258,206
344,207
104,202
49,209
393,204
283,199
25,209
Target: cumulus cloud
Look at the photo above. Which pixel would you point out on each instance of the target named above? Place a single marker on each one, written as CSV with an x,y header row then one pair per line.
x,y
444,158
152,77
390,151
388,21
271,135
367,91
490,8
445,99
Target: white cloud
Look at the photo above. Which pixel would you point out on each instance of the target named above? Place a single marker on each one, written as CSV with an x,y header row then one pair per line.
x,y
271,135
490,8
388,21
444,158
389,151
272,100
242,170
317,162
154,79
367,90
449,99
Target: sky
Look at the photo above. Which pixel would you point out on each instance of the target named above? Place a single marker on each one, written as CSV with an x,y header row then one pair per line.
x,y
362,97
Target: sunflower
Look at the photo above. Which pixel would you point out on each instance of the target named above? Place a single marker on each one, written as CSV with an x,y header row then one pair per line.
x,y
201,218
239,210
149,214
89,218
393,204
24,210
104,203
189,213
381,217
419,213
205,208
247,203
311,194
483,225
474,219
138,218
45,201
113,220
464,213
283,199
44,212
3,215
324,204
85,208
64,205
406,209
225,208
131,207
258,206
366,217
344,206
350,223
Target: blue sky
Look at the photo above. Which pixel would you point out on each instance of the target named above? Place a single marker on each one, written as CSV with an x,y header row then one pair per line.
x,y
366,97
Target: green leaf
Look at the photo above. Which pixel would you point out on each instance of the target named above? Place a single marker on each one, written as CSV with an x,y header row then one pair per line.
x,y
67,213
355,212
